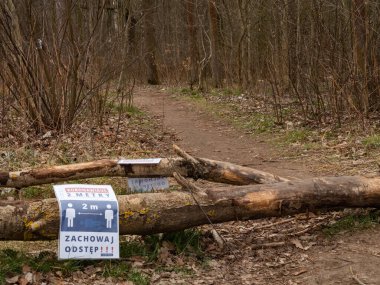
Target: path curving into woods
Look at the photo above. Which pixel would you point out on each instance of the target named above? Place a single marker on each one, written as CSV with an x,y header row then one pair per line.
x,y
204,135
335,260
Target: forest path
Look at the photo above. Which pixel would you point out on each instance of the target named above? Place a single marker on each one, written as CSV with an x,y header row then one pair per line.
x,y
203,134
328,261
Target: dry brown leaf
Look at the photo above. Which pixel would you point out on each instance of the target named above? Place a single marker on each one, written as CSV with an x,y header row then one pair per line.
x,y
29,277
297,243
137,258
22,281
164,255
26,268
12,280
179,261
155,277
168,245
309,245
137,264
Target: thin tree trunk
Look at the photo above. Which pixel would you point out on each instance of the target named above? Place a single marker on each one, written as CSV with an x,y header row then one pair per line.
x,y
150,41
164,212
214,36
360,52
193,46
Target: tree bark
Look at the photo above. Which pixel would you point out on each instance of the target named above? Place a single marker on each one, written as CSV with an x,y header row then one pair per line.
x,y
193,45
212,170
150,41
360,52
215,42
164,212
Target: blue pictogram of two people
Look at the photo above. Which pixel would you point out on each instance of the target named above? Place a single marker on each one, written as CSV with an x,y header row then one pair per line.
x,y
103,219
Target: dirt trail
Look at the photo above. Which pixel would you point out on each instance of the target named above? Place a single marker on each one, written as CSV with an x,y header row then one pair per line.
x,y
328,261
204,135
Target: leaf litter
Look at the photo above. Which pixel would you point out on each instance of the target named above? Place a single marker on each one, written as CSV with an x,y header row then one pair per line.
x,y
287,250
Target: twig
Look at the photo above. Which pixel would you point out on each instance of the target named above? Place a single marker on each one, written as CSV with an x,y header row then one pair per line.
x,y
355,277
184,154
217,238
273,224
307,229
268,245
198,170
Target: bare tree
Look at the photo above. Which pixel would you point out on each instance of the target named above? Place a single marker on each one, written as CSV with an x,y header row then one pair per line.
x,y
193,45
56,58
149,9
215,42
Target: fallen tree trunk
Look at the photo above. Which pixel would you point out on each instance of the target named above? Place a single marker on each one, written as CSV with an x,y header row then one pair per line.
x,y
212,170
163,212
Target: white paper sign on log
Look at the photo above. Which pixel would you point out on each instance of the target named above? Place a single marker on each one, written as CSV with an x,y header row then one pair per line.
x,y
89,222
148,184
140,161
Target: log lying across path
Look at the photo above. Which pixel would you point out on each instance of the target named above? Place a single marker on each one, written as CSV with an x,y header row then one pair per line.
x,y
162,212
212,170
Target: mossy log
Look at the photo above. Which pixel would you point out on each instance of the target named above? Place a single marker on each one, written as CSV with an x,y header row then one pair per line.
x,y
212,170
164,212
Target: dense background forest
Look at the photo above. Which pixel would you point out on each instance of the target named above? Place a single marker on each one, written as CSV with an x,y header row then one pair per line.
x,y
59,58
288,87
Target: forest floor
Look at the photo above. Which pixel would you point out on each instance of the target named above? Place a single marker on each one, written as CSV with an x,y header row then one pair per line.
x,y
321,248
340,247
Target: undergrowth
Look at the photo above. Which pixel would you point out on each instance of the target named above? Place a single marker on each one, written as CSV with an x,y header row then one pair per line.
x,y
185,243
353,222
372,142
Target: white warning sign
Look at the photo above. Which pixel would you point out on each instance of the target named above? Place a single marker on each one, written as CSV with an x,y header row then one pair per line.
x,y
89,222
148,184
140,161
